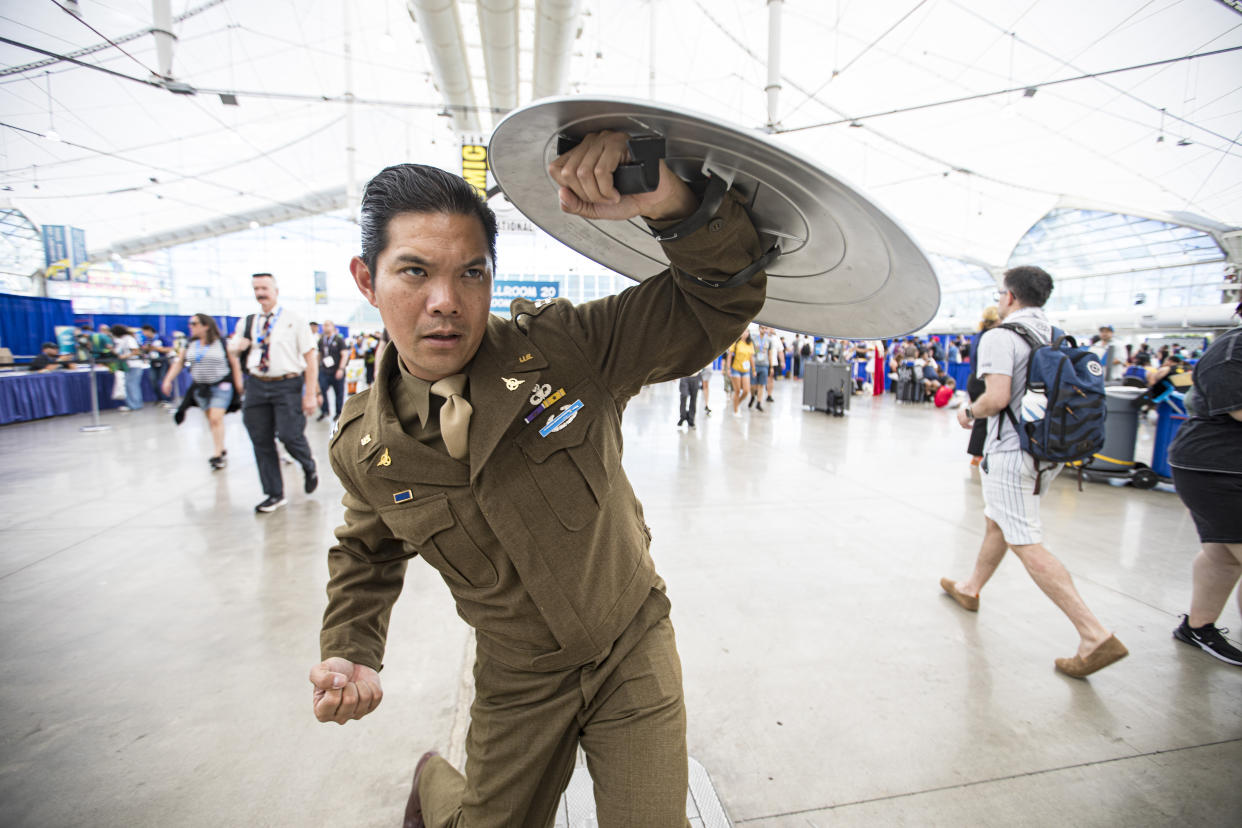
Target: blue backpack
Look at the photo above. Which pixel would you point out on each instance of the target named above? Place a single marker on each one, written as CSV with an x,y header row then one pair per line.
x,y
1063,408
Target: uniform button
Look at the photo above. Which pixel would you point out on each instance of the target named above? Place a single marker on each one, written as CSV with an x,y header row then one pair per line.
x,y
715,224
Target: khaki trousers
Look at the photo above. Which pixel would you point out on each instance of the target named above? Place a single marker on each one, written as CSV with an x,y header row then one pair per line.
x,y
626,710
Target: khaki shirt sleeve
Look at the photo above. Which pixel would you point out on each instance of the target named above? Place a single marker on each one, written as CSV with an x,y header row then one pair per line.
x,y
673,324
366,570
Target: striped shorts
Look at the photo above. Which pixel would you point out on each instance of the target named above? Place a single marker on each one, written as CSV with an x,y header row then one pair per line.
x,y
1009,495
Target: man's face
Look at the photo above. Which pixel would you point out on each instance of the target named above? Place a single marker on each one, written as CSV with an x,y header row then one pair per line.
x,y
433,289
1005,305
329,329
1106,335
50,351
265,291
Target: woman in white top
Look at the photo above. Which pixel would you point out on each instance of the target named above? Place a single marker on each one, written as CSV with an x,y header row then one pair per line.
x,y
217,378
125,345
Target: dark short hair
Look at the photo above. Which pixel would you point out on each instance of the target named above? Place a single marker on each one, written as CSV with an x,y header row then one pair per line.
x,y
262,276
417,188
47,345
148,327
1029,284
209,322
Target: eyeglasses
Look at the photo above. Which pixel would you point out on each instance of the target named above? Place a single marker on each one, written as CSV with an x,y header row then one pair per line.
x,y
194,322
996,297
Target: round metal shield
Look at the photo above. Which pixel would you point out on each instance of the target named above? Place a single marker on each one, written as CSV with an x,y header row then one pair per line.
x,y
846,268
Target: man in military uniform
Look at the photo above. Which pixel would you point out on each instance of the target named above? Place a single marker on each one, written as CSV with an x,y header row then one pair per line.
x,y
492,449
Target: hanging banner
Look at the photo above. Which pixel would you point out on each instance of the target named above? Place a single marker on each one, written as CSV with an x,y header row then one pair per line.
x,y
474,165
56,251
321,287
505,291
77,252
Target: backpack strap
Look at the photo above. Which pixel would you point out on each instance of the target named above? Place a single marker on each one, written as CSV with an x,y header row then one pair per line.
x,y
244,356
1028,336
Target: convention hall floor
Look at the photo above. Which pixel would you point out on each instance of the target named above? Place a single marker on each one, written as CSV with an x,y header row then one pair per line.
x,y
157,635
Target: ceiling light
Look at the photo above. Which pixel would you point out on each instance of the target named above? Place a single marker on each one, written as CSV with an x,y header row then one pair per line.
x,y
1029,92
228,99
52,135
254,225
1183,142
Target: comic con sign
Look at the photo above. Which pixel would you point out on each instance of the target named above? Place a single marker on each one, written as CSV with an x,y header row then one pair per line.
x,y
474,164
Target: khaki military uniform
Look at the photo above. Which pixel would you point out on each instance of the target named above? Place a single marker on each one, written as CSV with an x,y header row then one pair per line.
x,y
541,541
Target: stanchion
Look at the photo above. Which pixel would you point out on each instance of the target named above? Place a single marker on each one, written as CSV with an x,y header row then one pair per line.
x,y
95,425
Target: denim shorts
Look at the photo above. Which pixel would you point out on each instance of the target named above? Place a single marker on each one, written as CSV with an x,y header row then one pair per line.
x,y
221,396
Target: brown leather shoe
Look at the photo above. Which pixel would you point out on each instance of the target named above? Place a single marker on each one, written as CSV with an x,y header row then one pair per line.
x,y
1099,658
967,602
413,807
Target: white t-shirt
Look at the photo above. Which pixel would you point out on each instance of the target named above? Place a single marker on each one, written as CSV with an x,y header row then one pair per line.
x,y
127,347
1107,354
1006,353
291,339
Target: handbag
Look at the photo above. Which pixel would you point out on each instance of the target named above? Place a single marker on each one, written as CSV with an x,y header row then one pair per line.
x,y
118,385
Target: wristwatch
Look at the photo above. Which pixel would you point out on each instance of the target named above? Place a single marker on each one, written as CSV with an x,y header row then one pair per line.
x,y
970,415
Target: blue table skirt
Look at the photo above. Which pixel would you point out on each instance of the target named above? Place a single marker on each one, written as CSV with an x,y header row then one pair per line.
x,y
31,396
960,371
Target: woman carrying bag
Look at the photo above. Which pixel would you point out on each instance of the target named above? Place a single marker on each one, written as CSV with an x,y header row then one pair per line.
x,y
217,380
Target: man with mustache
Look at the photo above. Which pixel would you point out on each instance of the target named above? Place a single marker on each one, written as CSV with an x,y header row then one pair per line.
x,y
492,449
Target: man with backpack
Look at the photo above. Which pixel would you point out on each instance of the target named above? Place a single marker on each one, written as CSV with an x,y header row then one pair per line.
x,y
1015,467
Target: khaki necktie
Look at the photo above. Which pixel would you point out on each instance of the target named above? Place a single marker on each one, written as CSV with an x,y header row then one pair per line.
x,y
454,415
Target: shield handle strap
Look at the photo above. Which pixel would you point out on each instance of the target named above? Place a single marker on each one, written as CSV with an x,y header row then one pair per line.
x,y
744,275
713,196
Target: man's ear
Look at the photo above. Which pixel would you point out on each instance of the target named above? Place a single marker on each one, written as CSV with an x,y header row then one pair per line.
x,y
363,278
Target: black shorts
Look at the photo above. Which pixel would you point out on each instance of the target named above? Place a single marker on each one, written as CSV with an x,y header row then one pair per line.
x,y
1212,498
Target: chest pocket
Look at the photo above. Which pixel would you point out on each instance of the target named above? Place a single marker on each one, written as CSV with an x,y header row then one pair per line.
x,y
430,526
571,466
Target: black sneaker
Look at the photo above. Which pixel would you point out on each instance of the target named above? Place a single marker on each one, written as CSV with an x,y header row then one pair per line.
x,y
312,481
271,504
769,399
1210,639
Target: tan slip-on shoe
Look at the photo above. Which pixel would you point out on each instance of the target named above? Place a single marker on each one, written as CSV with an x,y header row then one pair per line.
x,y
414,806
967,602
1099,658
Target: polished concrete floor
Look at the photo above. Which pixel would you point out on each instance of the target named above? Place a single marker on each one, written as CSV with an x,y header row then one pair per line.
x,y
157,635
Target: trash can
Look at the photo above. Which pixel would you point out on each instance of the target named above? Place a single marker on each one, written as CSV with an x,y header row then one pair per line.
x,y
1120,429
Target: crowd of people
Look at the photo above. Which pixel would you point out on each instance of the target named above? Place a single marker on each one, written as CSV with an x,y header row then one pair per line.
x,y
460,456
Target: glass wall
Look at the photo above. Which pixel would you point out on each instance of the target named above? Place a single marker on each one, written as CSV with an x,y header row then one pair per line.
x,y
966,288
1101,259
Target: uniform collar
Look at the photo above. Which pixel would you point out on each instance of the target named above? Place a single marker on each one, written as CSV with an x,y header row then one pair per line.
x,y
385,450
505,357
501,376
411,394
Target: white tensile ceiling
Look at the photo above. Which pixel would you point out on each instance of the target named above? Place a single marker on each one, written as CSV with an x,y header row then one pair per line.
x,y
965,178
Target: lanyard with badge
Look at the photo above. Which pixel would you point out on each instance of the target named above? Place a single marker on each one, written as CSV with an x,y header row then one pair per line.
x,y
327,360
264,330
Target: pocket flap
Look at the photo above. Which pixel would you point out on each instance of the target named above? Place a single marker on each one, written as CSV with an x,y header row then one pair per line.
x,y
417,521
538,448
